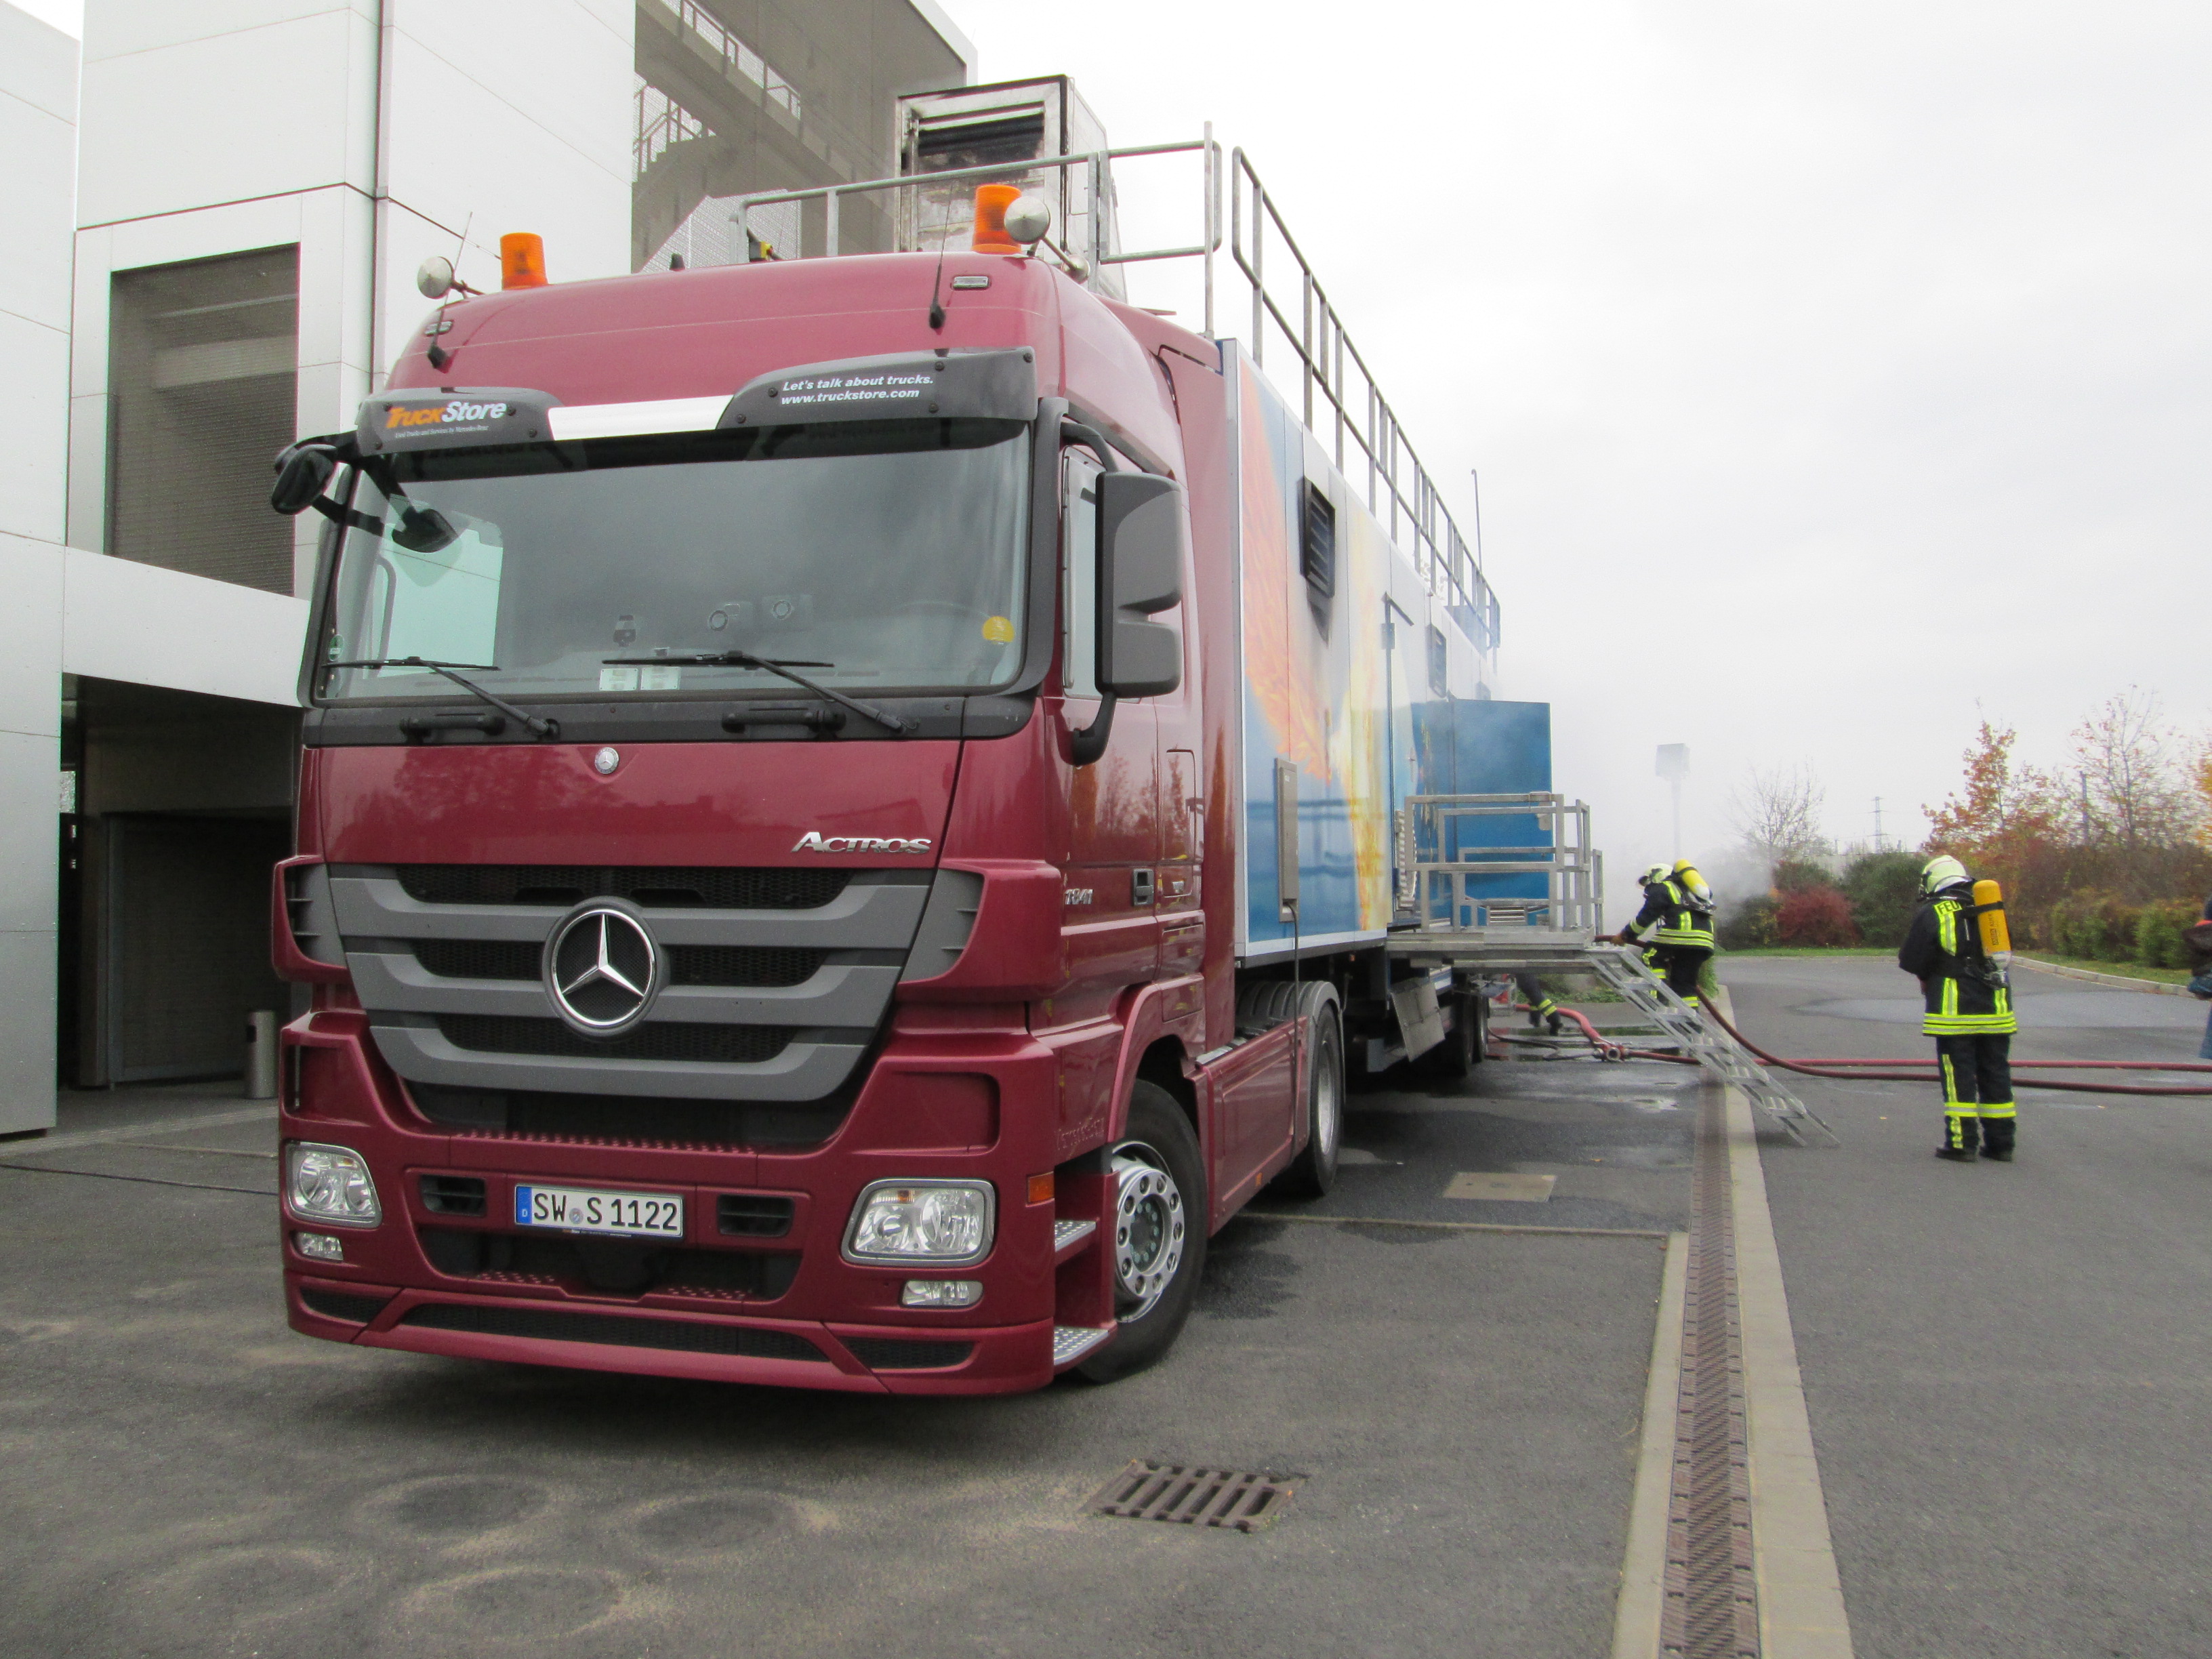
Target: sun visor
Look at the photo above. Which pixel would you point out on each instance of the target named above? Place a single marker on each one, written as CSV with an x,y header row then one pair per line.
x,y
468,417
998,385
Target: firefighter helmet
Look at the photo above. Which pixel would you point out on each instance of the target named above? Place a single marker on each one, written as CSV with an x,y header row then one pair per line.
x,y
1939,872
1656,872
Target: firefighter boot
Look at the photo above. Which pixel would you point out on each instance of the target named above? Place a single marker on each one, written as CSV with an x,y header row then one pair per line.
x,y
1962,1137
1997,1138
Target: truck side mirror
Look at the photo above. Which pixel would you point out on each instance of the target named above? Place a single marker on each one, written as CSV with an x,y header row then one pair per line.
x,y
302,471
1140,547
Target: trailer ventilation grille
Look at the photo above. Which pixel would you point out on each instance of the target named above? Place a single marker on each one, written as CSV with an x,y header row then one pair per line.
x,y
512,1034
615,1330
1193,1496
564,885
338,1304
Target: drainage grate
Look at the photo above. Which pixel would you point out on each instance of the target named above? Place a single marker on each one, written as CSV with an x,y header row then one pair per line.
x,y
1711,1610
1195,1498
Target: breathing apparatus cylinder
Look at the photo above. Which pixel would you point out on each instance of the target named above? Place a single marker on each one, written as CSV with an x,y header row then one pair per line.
x,y
1996,937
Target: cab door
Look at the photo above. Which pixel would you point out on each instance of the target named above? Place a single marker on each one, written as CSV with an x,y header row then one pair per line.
x,y
1114,852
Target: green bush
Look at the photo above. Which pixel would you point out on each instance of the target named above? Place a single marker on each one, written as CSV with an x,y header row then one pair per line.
x,y
2159,928
2094,926
1750,925
1884,890
1795,876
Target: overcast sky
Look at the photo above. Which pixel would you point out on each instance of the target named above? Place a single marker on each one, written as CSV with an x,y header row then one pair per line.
x,y
1833,370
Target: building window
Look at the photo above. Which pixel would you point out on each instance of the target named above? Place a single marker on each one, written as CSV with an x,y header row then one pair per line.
x,y
1317,543
1439,665
203,379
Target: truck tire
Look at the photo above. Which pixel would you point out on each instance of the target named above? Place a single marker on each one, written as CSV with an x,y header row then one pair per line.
x,y
1313,1171
1157,1234
1457,1055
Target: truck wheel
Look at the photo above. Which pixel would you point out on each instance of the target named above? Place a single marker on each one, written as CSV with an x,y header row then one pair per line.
x,y
1456,1056
1313,1171
1157,1233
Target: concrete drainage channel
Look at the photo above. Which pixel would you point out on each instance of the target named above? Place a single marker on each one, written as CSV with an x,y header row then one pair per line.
x,y
1728,1553
1711,1609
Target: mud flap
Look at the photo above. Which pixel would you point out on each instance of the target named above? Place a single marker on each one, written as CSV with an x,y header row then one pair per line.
x,y
1420,1021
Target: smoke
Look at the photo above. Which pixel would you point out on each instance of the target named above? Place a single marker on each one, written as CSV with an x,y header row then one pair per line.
x,y
1737,876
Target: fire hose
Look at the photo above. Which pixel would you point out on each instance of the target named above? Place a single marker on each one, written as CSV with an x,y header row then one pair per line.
x,y
1856,1069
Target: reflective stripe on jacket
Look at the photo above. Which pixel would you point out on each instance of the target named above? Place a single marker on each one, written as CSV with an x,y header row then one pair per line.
x,y
1966,994
1668,918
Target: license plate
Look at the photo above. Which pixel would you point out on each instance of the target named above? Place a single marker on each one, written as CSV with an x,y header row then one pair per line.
x,y
581,1210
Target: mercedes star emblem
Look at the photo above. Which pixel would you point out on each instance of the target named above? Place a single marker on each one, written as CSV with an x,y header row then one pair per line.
x,y
603,970
606,761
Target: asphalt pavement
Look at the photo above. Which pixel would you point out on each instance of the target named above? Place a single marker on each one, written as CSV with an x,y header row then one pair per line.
x,y
2006,1365
184,1476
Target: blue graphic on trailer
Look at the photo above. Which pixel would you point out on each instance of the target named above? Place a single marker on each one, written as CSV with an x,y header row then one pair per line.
x,y
1486,748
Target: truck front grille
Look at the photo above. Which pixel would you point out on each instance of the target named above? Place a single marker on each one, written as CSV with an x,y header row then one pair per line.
x,y
608,1267
688,964
777,981
657,1121
563,884
508,1034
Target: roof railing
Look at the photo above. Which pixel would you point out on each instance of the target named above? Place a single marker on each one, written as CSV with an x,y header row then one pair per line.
x,y
1339,401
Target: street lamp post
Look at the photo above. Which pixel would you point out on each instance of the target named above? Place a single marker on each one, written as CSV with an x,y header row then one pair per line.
x,y
1675,766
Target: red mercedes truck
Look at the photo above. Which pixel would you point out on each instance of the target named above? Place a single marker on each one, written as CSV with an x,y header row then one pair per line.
x,y
844,827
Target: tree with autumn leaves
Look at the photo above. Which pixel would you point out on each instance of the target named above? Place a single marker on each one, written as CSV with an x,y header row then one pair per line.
x,y
2085,853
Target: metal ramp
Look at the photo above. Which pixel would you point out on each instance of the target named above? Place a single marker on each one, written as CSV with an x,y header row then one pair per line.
x,y
1466,901
1724,1060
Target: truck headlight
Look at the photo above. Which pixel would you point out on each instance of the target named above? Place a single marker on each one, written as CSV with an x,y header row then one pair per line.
x,y
946,1222
329,1183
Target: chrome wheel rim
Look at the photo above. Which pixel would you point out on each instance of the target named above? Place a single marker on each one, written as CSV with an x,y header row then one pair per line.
x,y
1328,1107
1149,1228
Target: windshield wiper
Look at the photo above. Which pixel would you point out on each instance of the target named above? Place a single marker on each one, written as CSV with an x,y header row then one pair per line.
x,y
746,660
537,727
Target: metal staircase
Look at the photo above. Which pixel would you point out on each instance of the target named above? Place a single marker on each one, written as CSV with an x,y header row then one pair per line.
x,y
1724,1060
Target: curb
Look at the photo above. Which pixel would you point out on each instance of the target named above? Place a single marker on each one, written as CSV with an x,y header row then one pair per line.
x,y
2157,988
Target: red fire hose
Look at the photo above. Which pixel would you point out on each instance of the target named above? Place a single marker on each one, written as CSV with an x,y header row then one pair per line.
x,y
1922,1072
1856,1069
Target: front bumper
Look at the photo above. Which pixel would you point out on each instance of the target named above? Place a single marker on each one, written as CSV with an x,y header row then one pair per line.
x,y
807,1319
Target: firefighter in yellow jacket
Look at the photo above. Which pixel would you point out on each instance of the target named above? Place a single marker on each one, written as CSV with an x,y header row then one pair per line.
x,y
1969,1014
1674,927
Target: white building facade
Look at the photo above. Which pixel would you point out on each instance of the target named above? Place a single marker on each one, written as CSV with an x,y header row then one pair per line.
x,y
218,255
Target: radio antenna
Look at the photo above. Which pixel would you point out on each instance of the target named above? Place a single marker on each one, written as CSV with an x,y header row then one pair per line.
x,y
937,305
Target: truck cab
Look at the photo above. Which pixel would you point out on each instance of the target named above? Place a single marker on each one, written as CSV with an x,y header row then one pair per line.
x,y
764,859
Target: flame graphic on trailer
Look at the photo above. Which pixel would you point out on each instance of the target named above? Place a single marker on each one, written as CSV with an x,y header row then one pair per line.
x,y
1316,677
1363,687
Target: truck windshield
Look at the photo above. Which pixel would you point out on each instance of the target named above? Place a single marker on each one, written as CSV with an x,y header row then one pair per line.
x,y
884,555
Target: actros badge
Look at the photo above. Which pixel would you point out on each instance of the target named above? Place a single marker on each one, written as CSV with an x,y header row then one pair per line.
x,y
602,970
815,841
